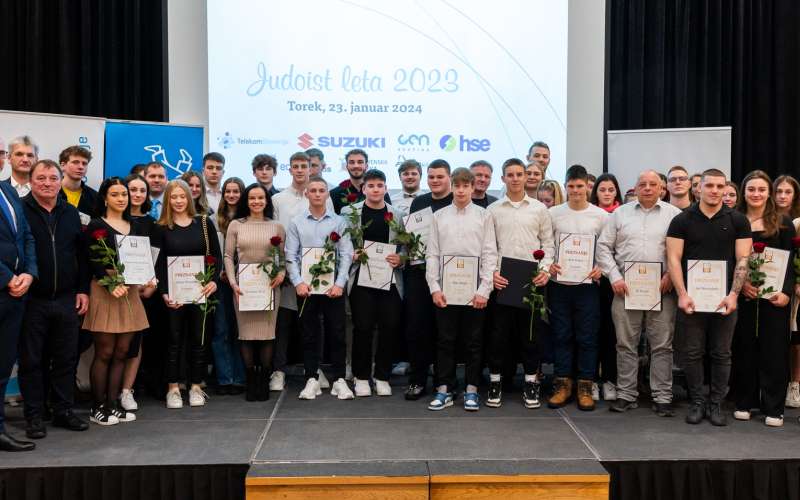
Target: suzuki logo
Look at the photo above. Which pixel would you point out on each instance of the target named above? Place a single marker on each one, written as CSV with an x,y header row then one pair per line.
x,y
305,141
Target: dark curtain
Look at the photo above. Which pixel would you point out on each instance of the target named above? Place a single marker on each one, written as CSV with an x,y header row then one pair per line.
x,y
700,63
168,482
84,57
705,480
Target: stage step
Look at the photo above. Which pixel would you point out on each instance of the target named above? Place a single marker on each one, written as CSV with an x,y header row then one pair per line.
x,y
427,481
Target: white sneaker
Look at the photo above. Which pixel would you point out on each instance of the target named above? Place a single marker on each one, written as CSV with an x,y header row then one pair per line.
x,y
311,390
174,399
341,390
742,415
362,388
382,388
197,397
277,381
127,401
609,391
774,421
595,392
793,395
323,380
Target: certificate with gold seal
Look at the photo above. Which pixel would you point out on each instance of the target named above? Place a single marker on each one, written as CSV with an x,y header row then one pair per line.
x,y
256,292
775,263
459,279
643,280
575,256
707,284
182,284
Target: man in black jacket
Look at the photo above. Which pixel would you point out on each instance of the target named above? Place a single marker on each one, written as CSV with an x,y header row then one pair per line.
x,y
57,299
74,163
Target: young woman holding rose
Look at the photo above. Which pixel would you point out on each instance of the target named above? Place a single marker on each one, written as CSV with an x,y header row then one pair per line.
x,y
185,234
761,340
251,236
115,315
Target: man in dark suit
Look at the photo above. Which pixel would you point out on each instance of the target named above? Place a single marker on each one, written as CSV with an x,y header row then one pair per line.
x,y
17,271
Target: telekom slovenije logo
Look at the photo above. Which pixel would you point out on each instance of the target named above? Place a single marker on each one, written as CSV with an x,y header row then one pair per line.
x,y
305,141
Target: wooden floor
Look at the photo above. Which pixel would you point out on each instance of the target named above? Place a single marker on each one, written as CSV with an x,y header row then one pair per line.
x,y
433,487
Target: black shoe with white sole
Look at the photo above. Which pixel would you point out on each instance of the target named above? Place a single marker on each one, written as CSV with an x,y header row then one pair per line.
x,y
531,394
101,415
494,398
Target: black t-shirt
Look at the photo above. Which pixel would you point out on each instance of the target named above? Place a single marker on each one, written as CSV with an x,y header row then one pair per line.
x,y
709,238
426,200
485,201
378,229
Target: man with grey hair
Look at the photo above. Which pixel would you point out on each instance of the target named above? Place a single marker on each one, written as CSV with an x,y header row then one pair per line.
x,y
636,233
22,153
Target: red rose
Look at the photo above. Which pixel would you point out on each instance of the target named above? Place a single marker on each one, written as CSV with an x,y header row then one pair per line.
x,y
275,241
388,216
759,247
796,242
538,254
99,234
345,184
334,236
210,260
352,198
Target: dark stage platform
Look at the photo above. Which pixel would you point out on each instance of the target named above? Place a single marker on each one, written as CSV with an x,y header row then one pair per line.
x,y
391,448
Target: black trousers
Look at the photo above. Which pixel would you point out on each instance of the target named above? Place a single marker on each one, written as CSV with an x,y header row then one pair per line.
x,y
700,332
371,307
459,325
511,325
186,323
333,314
421,327
761,363
11,312
607,339
154,346
48,351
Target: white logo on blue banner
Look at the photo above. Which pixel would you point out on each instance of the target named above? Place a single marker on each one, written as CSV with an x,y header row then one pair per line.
x,y
178,147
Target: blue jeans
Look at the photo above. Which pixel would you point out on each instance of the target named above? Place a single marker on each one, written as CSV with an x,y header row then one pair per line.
x,y
575,319
225,344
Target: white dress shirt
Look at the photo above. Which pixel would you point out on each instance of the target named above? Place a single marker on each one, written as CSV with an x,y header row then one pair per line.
x,y
291,202
634,233
214,196
22,189
467,231
522,227
402,200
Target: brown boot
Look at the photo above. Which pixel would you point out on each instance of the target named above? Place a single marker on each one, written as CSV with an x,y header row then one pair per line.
x,y
562,392
585,401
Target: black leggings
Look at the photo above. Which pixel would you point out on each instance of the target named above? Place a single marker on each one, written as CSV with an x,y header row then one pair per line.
x,y
187,320
110,354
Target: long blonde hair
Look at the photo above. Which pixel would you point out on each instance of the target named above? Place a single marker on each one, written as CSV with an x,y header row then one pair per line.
x,y
167,218
553,187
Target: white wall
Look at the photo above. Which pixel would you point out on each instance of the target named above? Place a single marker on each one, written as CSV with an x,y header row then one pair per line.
x,y
188,74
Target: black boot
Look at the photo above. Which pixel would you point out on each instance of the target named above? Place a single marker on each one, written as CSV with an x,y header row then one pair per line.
x,y
251,389
263,384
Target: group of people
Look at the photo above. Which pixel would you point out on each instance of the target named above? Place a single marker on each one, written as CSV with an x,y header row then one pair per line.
x,y
61,286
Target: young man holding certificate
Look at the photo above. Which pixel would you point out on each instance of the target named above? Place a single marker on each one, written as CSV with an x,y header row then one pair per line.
x,y
573,294
631,251
419,309
308,234
707,247
375,287
522,225
460,259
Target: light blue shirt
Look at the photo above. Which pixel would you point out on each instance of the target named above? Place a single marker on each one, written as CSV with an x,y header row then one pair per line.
x,y
306,231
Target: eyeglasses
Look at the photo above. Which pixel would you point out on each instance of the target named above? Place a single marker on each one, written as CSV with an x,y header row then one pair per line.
x,y
681,178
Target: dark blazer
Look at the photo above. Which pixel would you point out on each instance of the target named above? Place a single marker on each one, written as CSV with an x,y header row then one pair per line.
x,y
17,252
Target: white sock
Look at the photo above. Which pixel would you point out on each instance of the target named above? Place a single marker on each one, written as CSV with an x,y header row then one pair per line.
x,y
531,378
472,388
495,377
442,389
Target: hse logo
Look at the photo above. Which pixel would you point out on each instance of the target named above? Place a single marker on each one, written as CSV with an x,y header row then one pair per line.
x,y
451,143
414,140
305,141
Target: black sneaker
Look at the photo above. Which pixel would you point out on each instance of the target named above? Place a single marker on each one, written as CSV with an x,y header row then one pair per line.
x,y
622,405
715,415
414,392
121,414
530,395
101,416
663,409
494,398
35,428
68,420
696,413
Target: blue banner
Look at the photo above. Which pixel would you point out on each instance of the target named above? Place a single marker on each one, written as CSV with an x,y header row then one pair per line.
x,y
179,148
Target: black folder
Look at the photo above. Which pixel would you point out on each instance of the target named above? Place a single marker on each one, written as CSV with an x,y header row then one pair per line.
x,y
518,273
